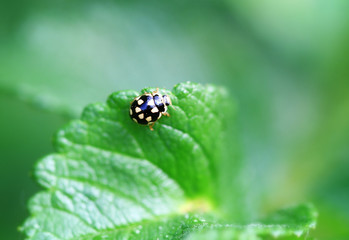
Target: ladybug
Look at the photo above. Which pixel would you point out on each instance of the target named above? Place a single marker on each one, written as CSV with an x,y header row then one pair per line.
x,y
147,108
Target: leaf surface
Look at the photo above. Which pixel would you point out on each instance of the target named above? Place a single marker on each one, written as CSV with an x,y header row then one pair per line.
x,y
290,223
112,177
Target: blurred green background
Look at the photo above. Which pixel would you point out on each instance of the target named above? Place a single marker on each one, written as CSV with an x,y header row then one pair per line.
x,y
285,62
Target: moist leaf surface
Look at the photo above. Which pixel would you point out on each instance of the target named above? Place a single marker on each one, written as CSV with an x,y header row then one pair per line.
x,y
111,178
290,224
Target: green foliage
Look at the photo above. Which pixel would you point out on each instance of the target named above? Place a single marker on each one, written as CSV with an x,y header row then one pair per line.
x,y
288,69
18,123
109,172
290,223
112,178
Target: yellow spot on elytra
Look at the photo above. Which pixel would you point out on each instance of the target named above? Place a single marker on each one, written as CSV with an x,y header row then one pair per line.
x,y
141,116
140,101
138,110
148,119
155,110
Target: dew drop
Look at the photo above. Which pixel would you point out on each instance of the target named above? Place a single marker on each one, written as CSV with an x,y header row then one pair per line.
x,y
276,233
298,233
312,225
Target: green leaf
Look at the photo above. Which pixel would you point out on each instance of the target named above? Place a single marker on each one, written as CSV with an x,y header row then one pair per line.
x,y
112,177
290,223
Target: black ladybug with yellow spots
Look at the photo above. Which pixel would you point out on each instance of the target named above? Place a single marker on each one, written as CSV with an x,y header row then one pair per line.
x,y
149,107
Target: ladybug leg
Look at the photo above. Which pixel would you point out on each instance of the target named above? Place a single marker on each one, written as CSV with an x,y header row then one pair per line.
x,y
156,91
151,126
166,114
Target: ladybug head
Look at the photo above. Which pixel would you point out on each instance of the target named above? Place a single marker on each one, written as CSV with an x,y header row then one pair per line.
x,y
166,100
